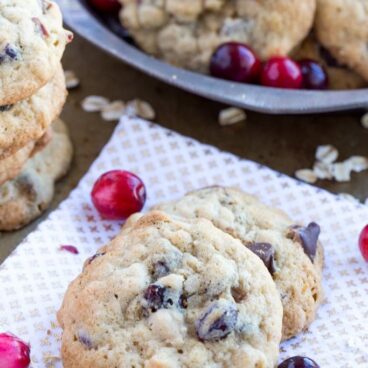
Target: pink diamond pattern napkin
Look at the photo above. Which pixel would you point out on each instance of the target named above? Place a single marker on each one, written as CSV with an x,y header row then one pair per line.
x,y
34,278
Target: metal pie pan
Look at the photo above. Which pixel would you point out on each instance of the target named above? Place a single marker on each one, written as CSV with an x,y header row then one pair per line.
x,y
251,97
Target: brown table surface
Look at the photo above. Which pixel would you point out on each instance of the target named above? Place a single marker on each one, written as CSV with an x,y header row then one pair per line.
x,y
284,143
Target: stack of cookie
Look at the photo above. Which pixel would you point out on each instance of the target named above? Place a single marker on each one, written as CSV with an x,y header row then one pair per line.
x,y
35,149
215,279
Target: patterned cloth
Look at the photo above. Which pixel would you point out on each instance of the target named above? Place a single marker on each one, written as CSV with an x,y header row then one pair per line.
x,y
34,278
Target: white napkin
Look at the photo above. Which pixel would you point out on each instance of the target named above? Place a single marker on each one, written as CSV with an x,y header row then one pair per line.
x,y
34,278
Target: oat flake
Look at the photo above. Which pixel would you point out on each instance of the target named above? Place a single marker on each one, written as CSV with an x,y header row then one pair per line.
x,y
231,115
94,103
327,153
71,79
364,120
306,175
341,171
113,111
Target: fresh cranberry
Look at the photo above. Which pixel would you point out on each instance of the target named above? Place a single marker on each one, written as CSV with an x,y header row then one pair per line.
x,y
281,72
106,6
363,242
235,61
118,194
314,74
14,353
299,362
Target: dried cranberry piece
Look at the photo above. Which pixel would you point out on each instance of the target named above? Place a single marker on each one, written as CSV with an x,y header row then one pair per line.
x,y
40,28
70,248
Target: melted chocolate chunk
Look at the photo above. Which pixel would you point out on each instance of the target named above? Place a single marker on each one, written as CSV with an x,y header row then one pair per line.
x,y
5,108
155,297
266,252
308,237
217,321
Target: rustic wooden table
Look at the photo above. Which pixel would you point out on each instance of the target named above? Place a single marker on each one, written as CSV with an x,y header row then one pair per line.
x,y
285,143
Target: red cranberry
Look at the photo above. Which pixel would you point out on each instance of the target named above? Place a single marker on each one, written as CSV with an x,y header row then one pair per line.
x,y
363,242
235,61
106,6
314,75
299,362
14,353
281,72
118,194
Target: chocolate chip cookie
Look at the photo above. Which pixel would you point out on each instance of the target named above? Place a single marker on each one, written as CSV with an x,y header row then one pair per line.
x,y
341,26
29,119
11,166
32,41
172,293
340,77
291,252
26,196
187,33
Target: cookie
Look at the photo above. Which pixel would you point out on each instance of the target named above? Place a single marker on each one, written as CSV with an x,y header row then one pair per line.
x,y
171,293
11,166
32,41
290,252
341,27
25,197
187,33
29,119
340,77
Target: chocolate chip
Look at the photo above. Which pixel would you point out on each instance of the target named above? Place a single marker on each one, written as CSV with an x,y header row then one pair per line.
x,y
85,340
5,108
266,252
9,53
217,321
154,295
327,57
183,301
308,237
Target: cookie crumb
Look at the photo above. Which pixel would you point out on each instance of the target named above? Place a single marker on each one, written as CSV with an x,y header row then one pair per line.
x,y
94,103
327,154
113,111
231,115
364,120
306,175
142,109
71,80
